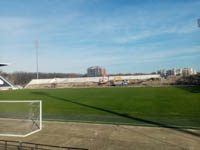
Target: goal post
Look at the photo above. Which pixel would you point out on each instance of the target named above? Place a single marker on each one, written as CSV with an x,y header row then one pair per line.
x,y
20,118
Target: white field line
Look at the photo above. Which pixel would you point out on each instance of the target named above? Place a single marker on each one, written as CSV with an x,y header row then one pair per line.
x,y
19,135
21,101
60,121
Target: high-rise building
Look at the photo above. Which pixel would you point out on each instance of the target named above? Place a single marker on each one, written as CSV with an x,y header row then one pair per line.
x,y
96,71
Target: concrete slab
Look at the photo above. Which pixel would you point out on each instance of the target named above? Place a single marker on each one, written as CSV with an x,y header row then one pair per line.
x,y
113,137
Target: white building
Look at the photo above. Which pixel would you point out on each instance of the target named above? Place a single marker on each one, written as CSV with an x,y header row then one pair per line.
x,y
189,71
177,72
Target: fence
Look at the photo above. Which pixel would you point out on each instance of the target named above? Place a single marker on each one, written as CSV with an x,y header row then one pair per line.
x,y
15,145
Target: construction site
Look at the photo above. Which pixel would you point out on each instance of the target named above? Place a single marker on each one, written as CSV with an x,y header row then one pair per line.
x,y
114,81
105,81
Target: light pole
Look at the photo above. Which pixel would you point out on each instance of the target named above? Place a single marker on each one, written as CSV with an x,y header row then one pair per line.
x,y
36,48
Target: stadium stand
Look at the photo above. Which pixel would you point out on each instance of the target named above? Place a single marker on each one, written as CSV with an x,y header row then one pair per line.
x,y
5,85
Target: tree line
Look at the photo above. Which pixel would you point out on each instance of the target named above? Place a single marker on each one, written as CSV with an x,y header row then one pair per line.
x,y
23,78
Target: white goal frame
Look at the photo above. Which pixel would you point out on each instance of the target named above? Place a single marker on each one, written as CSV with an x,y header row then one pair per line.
x,y
24,101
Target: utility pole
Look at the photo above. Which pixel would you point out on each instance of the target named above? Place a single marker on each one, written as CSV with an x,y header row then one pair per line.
x,y
36,48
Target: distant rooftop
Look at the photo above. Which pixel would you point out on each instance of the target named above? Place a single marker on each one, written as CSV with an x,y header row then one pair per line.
x,y
94,67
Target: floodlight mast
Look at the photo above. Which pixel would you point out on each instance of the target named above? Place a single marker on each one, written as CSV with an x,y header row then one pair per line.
x,y
36,48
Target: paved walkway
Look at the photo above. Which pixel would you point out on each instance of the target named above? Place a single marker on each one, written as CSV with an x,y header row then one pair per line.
x,y
113,137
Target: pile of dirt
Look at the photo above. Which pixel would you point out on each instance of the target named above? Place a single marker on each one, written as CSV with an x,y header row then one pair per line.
x,y
155,82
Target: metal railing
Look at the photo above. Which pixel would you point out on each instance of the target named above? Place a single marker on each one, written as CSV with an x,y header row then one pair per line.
x,y
15,145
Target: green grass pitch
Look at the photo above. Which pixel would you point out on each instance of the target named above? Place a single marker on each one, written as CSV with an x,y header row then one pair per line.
x,y
176,106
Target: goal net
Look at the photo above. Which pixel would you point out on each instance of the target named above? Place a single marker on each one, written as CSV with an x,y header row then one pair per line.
x,y
20,118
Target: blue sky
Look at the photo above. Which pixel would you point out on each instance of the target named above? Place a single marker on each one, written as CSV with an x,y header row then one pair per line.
x,y
126,36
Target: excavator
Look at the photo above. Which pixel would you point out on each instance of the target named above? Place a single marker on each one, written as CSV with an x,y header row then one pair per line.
x,y
119,81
